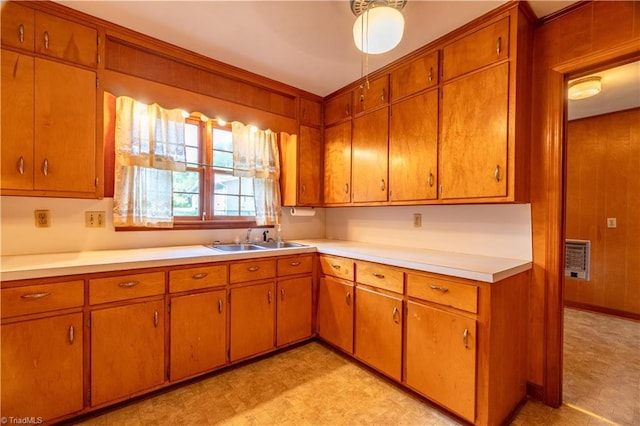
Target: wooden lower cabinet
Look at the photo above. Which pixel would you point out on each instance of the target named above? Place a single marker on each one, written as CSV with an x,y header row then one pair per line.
x,y
440,357
252,319
335,312
378,331
198,333
127,350
294,310
42,373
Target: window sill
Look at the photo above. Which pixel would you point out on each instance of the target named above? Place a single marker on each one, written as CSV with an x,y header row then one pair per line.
x,y
198,224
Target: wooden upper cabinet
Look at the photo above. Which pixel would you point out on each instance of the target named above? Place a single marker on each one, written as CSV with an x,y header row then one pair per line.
x,y
337,164
310,113
415,76
482,47
372,94
17,26
338,109
474,135
370,147
309,167
67,40
413,148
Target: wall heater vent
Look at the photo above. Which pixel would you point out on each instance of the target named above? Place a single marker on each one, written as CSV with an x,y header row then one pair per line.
x,y
577,259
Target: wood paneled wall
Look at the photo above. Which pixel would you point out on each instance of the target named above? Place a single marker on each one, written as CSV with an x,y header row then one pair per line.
x,y
603,177
587,36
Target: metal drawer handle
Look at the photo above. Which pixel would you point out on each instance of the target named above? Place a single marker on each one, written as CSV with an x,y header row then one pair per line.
x,y
199,276
498,46
304,188
348,297
430,73
46,39
220,306
45,167
382,185
346,188
21,33
346,110
496,174
294,263
437,287
336,266
382,95
465,338
377,275
394,315
156,319
71,334
35,295
21,165
269,296
430,180
282,294
129,284
253,268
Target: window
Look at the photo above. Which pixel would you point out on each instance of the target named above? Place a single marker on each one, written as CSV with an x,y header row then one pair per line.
x,y
207,192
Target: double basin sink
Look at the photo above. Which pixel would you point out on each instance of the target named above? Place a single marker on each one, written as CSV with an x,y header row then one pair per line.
x,y
271,245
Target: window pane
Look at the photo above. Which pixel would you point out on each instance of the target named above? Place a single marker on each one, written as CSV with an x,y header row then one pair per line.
x,y
223,159
226,205
186,182
222,140
246,186
186,204
193,157
224,183
248,206
191,134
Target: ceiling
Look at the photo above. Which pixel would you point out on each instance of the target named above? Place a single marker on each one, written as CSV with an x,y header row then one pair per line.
x,y
306,44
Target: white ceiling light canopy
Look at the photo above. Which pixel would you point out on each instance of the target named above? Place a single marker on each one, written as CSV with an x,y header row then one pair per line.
x,y
583,88
379,25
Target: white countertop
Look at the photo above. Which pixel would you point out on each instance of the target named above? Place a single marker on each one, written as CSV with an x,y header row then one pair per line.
x,y
480,268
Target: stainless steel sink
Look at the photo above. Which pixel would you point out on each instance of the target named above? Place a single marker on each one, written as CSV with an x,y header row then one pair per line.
x,y
236,247
281,244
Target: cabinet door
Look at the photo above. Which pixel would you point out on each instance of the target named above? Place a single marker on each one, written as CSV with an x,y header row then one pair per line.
x,y
127,350
475,121
372,94
66,40
370,156
310,112
441,357
17,27
415,76
198,333
378,331
65,127
252,320
413,148
337,164
42,367
294,310
309,166
337,109
335,312
17,121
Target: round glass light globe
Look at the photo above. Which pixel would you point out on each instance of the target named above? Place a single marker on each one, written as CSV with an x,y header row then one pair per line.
x,y
378,30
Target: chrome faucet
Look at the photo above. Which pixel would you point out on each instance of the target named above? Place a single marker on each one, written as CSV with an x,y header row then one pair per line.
x,y
247,239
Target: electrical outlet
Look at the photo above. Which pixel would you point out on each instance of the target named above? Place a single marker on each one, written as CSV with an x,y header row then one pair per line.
x,y
42,218
94,219
417,220
612,222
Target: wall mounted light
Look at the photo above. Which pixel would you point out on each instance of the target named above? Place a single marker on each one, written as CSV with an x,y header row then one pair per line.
x,y
379,25
583,88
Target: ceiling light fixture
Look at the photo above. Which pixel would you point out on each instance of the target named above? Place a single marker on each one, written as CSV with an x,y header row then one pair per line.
x,y
379,25
584,87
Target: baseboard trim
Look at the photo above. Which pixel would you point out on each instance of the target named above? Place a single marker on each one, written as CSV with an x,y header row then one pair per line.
x,y
602,310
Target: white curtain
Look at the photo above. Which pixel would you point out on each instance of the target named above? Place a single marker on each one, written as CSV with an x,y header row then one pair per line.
x,y
149,145
255,154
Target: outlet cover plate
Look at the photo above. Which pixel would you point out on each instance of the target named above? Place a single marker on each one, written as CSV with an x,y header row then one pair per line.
x,y
42,218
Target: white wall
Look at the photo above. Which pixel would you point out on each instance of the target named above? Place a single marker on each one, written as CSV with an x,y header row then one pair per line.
x,y
69,234
502,230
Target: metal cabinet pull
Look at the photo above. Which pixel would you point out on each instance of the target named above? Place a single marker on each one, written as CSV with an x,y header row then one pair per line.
x,y
282,294
156,319
496,174
346,110
46,39
382,185
361,98
430,180
199,276
346,188
128,284
21,33
35,295
465,338
430,74
219,306
253,268
269,296
498,46
45,167
294,263
348,298
377,275
382,95
336,266
303,188
21,165
71,335
394,315
437,287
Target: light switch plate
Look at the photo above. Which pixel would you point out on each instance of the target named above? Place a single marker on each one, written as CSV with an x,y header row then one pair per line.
x,y
94,219
417,220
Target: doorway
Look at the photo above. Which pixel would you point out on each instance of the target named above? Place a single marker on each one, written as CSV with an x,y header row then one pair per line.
x,y
601,286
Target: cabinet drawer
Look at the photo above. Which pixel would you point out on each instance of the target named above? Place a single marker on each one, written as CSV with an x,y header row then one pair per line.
x,y
63,39
122,287
337,109
444,292
380,276
483,47
17,26
195,278
415,76
295,265
252,271
376,94
337,266
33,299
